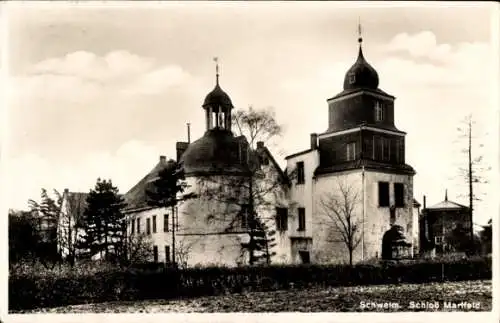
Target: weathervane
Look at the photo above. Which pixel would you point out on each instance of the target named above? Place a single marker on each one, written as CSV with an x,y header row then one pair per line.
x,y
216,60
360,39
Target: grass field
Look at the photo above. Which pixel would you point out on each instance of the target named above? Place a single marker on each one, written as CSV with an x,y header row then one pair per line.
x,y
341,299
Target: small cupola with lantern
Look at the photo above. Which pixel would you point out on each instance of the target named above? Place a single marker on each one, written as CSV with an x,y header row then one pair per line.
x,y
218,106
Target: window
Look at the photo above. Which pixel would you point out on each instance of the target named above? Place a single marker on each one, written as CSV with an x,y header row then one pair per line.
x,y
438,239
167,254
400,151
154,223
379,112
302,219
281,219
300,173
132,226
138,225
352,78
155,253
165,223
384,145
351,151
399,194
383,194
397,150
148,226
263,160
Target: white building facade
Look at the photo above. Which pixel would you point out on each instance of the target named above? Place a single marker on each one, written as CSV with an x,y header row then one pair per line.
x,y
358,163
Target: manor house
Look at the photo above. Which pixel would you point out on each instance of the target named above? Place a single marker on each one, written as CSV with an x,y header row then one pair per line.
x,y
333,203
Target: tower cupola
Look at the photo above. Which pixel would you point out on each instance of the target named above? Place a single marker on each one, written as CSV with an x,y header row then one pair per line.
x,y
361,75
218,106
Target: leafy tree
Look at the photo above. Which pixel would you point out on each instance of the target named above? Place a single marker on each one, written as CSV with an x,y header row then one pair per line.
x,y
339,215
458,239
168,191
23,236
103,222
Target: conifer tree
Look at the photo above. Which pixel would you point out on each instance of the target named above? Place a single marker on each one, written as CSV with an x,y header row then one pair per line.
x,y
45,214
168,191
103,221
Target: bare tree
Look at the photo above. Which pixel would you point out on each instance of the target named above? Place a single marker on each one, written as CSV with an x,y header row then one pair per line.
x,y
66,236
135,249
474,171
246,202
340,215
183,252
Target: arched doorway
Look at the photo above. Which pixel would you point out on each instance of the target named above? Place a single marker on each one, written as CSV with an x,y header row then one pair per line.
x,y
394,244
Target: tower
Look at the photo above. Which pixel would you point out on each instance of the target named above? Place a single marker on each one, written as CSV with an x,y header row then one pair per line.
x,y
218,151
360,160
361,127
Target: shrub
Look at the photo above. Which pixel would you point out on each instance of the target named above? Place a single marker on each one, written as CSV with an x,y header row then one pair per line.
x,y
28,290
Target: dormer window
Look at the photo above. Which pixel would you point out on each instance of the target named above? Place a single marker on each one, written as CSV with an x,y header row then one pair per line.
x,y
352,78
379,112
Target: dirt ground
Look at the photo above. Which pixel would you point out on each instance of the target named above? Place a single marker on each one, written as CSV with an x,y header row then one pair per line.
x,y
449,296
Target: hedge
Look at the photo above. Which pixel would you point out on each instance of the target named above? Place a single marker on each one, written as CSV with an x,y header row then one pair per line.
x,y
29,292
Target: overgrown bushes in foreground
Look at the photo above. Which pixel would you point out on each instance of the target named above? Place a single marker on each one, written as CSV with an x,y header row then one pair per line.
x,y
30,291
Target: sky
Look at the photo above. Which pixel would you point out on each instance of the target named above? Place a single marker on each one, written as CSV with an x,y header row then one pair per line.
x,y
103,89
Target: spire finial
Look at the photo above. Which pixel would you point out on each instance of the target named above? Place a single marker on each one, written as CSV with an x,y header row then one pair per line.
x,y
360,38
216,60
446,195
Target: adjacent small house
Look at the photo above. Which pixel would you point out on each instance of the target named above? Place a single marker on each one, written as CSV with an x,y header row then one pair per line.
x,y
72,208
446,227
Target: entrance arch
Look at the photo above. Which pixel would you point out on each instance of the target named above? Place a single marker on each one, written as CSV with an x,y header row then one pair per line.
x,y
394,243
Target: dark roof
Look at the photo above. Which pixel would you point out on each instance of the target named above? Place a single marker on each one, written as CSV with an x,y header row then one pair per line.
x,y
351,91
77,203
415,203
136,197
217,151
299,153
368,164
218,98
363,74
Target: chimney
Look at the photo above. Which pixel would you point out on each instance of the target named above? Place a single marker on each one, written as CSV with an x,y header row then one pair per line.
x,y
314,141
66,190
189,132
424,202
163,159
180,148
260,144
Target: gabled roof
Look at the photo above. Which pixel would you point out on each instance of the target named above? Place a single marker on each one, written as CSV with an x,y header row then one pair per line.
x,y
264,150
136,197
447,205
